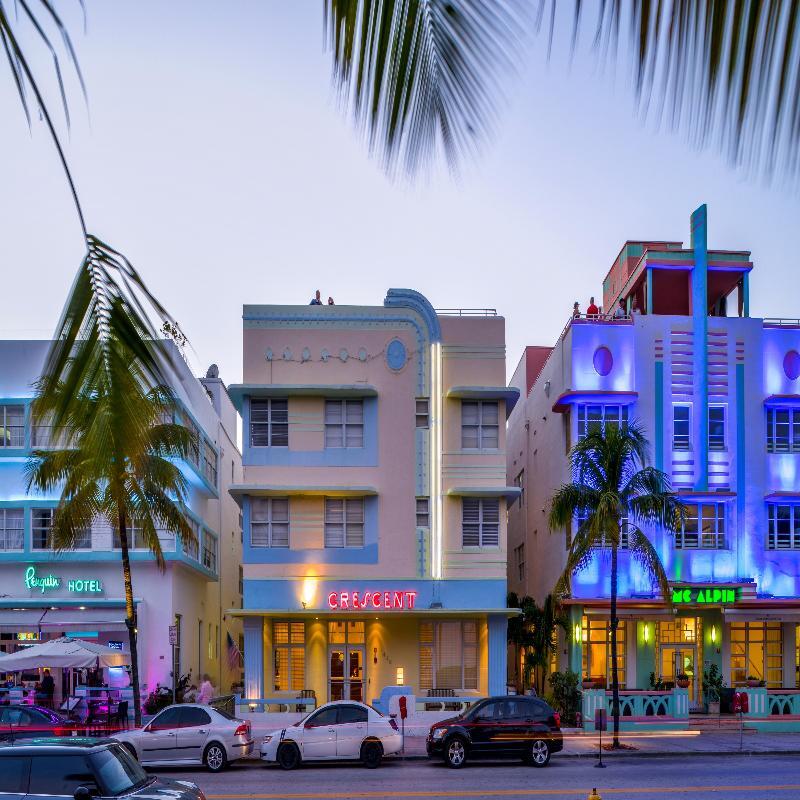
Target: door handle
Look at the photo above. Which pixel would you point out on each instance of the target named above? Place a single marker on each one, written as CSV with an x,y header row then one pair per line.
x,y
202,731
331,730
170,733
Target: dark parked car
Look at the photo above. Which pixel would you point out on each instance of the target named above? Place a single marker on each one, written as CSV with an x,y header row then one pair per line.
x,y
499,727
26,722
81,769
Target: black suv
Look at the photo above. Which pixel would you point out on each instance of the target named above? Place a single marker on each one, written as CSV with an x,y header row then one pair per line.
x,y
81,769
499,727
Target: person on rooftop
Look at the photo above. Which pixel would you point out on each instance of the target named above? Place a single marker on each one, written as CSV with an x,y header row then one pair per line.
x,y
592,310
330,301
635,306
315,301
620,312
576,311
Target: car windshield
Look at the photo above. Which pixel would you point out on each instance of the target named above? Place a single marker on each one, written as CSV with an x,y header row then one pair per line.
x,y
117,771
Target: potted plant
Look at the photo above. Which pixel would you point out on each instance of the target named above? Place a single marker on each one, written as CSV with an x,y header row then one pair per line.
x,y
754,682
657,685
593,683
713,684
682,680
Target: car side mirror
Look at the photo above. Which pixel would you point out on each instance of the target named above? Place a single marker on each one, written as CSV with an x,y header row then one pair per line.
x,y
148,728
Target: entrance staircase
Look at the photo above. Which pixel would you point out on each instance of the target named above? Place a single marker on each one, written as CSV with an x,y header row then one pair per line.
x,y
724,723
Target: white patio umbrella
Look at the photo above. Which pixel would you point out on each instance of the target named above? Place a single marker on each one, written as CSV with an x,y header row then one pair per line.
x,y
63,653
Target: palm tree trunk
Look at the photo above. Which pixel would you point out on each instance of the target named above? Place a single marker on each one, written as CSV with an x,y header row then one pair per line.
x,y
614,668
130,619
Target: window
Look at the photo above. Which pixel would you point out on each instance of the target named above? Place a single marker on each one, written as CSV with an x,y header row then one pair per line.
x,y
423,512
14,775
596,651
12,528
241,579
783,430
194,447
323,718
757,650
269,522
136,538
344,522
192,547
448,655
682,427
167,719
41,528
192,717
580,519
598,418
480,522
519,482
44,435
519,557
290,656
12,426
716,427
422,412
269,423
703,528
210,551
783,529
209,462
344,423
61,775
479,425
351,714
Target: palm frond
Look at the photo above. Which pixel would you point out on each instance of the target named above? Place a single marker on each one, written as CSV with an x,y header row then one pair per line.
x,y
725,72
641,548
420,75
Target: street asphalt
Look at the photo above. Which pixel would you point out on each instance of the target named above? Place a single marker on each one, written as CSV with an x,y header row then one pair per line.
x,y
689,777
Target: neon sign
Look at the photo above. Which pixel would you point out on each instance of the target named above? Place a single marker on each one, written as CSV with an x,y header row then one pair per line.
x,y
47,583
703,594
357,601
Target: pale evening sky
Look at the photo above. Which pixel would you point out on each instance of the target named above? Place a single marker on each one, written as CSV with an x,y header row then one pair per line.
x,y
217,160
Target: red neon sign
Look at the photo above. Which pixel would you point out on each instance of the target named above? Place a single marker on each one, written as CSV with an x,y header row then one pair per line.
x,y
357,601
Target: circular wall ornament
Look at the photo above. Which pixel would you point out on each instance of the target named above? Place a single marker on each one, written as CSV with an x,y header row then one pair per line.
x,y
324,355
287,354
603,360
791,365
396,355
362,354
269,355
344,355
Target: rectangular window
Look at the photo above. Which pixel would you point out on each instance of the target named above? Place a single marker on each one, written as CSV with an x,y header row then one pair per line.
x,y
783,430
12,528
423,512
269,423
41,528
716,427
519,482
448,655
194,448
12,426
596,651
44,435
241,579
519,555
269,522
290,656
479,425
598,418
422,412
210,551
580,519
703,528
344,522
480,522
783,529
192,548
344,423
137,540
757,651
681,427
209,462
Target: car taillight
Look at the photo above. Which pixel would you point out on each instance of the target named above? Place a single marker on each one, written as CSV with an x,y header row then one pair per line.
x,y
242,730
393,723
557,719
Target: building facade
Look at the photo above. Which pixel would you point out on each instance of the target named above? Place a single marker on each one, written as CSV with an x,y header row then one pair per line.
x,y
80,593
718,394
374,499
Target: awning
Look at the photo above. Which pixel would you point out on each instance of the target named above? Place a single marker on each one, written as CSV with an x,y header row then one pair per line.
x,y
18,620
238,391
238,490
766,614
319,613
508,393
620,398
94,619
509,492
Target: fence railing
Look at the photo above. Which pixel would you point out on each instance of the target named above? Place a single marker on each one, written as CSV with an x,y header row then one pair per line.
x,y
781,322
467,312
635,704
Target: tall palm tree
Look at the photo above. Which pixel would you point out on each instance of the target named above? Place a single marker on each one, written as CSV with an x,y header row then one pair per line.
x,y
614,491
116,457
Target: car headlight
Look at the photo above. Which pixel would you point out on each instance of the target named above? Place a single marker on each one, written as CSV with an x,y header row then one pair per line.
x,y
438,733
266,740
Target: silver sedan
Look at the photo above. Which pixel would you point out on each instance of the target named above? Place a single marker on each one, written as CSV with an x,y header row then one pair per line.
x,y
189,734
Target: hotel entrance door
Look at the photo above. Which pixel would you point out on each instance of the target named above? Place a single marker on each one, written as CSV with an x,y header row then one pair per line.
x,y
679,655
346,673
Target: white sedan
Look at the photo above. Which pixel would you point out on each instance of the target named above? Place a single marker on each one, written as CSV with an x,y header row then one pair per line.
x,y
344,730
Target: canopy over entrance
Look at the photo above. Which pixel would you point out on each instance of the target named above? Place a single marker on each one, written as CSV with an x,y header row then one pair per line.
x,y
63,653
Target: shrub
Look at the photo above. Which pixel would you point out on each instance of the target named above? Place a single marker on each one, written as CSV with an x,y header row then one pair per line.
x,y
566,695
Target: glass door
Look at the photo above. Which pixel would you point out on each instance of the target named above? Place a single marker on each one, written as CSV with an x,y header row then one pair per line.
x,y
346,673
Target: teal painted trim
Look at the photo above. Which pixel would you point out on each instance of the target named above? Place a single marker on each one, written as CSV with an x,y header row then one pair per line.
x,y
659,414
746,291
699,223
741,466
645,654
27,603
649,308
408,298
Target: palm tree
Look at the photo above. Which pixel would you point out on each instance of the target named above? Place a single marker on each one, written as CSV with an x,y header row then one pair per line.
x,y
118,442
614,492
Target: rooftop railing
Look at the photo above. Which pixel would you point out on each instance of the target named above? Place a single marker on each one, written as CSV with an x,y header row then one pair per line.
x,y
781,322
467,312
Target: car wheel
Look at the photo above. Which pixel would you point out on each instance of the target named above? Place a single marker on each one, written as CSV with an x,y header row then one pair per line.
x,y
288,756
539,755
455,753
215,758
371,754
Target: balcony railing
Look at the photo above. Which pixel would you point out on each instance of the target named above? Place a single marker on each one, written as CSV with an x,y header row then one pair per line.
x,y
467,312
781,322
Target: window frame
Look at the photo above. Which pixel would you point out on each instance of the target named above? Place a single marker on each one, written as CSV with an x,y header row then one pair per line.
x,y
422,417
433,649
720,536
343,425
270,424
5,530
482,522
792,429
682,442
482,427
344,523
6,430
270,521
423,512
718,443
291,646
773,536
584,422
